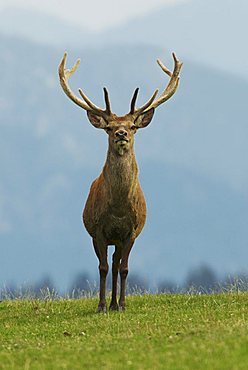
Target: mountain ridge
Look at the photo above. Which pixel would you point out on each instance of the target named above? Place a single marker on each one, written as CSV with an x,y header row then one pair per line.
x,y
208,32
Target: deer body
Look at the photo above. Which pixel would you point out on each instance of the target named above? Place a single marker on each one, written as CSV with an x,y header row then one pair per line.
x,y
116,205
115,211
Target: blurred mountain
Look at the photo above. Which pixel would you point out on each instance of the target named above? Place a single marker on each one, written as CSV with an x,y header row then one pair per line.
x,y
209,32
192,158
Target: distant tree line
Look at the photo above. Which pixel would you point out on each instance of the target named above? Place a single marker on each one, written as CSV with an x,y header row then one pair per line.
x,y
201,280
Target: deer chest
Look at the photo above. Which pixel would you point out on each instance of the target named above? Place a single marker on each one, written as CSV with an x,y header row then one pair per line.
x,y
118,228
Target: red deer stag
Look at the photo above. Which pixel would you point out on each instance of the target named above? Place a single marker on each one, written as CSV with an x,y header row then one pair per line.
x,y
115,211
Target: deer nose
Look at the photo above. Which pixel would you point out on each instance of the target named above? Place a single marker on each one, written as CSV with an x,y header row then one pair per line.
x,y
121,133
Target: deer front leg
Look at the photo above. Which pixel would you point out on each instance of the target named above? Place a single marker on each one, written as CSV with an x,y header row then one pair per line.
x,y
124,271
101,250
115,269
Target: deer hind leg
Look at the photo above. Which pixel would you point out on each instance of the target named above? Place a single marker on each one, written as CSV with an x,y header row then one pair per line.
x,y
124,271
115,269
101,250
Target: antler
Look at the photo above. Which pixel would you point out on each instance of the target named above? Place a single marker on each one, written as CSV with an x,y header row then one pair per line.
x,y
86,103
166,94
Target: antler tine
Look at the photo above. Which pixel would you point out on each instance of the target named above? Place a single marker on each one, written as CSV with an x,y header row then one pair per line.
x,y
89,102
107,101
64,75
133,101
173,83
147,105
86,103
166,94
164,68
95,107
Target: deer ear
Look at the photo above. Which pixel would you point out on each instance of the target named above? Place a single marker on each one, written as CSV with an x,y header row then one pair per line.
x,y
144,119
96,120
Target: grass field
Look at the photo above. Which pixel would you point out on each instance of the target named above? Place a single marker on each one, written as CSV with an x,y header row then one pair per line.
x,y
156,332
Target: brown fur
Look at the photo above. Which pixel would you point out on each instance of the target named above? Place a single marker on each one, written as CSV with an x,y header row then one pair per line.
x,y
115,211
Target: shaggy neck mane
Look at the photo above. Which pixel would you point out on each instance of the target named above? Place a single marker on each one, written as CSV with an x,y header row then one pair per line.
x,y
121,176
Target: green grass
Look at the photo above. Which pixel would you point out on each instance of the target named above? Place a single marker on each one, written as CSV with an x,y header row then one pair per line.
x,y
156,332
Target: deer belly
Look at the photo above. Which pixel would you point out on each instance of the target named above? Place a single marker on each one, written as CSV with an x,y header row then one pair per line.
x,y
117,228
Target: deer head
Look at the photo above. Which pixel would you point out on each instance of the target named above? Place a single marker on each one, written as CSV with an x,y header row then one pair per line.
x,y
120,130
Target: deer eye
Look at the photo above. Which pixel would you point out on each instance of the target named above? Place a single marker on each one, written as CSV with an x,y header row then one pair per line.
x,y
133,127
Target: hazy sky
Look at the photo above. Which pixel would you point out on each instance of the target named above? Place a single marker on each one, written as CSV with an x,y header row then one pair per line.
x,y
94,15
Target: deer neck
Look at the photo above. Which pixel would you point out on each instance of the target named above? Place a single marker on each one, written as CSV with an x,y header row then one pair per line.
x,y
121,176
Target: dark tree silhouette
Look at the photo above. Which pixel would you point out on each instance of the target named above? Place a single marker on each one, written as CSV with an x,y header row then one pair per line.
x,y
202,278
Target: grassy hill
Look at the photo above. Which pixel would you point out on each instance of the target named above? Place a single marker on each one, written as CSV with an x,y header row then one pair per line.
x,y
156,332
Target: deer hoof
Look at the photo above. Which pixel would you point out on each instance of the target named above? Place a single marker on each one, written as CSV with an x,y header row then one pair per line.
x,y
114,307
102,308
122,307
